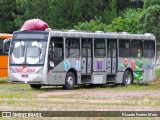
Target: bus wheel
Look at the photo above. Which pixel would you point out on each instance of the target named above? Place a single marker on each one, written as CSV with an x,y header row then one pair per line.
x,y
127,78
69,81
34,86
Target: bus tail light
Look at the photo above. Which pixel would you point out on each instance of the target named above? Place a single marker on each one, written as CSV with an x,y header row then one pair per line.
x,y
40,71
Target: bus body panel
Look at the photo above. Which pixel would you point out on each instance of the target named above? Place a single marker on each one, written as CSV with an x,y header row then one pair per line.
x,y
25,74
4,62
149,66
57,75
99,77
56,78
119,77
5,35
33,79
3,66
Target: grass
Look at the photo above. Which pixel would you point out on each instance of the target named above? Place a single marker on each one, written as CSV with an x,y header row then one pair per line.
x,y
22,97
3,81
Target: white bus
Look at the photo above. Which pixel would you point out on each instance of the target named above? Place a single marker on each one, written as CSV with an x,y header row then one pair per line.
x,y
69,58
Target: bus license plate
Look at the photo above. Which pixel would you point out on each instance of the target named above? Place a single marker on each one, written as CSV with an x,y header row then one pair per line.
x,y
24,76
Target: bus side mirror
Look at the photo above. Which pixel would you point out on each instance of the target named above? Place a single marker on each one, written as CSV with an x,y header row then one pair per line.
x,y
6,45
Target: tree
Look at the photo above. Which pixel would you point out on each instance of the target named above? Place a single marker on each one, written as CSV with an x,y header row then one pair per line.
x,y
110,13
124,4
7,8
29,9
92,25
149,21
148,3
127,21
67,13
60,14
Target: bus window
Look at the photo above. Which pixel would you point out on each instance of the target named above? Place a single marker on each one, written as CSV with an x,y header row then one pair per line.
x,y
149,49
58,49
136,45
111,48
6,45
99,48
33,57
1,47
72,48
86,48
124,48
22,52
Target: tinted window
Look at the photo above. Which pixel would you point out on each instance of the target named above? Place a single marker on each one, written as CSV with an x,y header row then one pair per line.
x,y
29,36
72,48
99,48
6,45
136,46
149,49
124,48
1,47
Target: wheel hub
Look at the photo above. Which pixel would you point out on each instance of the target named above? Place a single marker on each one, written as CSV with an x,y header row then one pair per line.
x,y
70,80
128,79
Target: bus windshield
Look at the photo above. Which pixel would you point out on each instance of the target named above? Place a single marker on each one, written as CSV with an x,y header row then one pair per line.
x,y
28,52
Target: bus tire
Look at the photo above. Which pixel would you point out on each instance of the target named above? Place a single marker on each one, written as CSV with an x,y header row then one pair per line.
x,y
35,86
127,78
69,81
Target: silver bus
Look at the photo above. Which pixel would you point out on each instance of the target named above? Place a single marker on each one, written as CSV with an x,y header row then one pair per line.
x,y
69,58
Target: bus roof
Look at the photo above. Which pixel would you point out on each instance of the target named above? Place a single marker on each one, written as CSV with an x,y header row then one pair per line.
x,y
5,35
97,34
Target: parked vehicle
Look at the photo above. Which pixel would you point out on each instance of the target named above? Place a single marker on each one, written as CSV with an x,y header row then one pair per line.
x,y
68,58
3,56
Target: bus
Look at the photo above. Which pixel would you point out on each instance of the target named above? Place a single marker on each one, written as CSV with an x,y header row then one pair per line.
x,y
69,58
3,56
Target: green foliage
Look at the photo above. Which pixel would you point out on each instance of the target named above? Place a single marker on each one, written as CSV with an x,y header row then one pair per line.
x,y
92,25
29,9
148,3
110,13
149,21
3,81
7,7
59,14
124,4
67,13
127,22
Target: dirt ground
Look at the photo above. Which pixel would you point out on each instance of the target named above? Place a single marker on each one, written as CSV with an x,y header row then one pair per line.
x,y
22,97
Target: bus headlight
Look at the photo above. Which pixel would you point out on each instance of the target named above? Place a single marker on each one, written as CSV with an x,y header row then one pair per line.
x,y
40,71
12,70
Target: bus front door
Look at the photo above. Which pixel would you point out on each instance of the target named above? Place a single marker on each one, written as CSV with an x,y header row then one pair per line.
x,y
112,56
86,56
